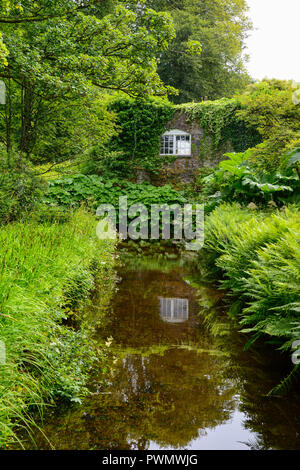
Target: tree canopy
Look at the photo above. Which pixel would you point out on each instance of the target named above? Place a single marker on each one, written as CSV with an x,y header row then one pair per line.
x,y
59,50
221,27
268,106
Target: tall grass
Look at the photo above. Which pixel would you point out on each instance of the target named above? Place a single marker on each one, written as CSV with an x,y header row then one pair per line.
x,y
259,255
40,265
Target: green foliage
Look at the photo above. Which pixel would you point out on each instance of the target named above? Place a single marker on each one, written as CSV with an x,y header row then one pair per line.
x,y
100,160
237,180
268,106
68,130
294,157
60,50
140,125
259,255
292,160
93,191
47,213
221,225
72,191
221,124
220,29
252,235
42,267
3,52
20,189
77,287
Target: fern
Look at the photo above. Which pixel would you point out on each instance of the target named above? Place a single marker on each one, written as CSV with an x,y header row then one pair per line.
x,y
287,383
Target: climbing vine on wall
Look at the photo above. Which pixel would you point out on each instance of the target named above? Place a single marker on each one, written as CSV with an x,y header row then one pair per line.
x,y
140,124
221,124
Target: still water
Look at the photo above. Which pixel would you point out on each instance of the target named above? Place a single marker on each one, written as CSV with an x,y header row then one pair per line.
x,y
181,378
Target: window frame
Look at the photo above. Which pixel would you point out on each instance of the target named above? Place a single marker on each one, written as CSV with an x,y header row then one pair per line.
x,y
169,141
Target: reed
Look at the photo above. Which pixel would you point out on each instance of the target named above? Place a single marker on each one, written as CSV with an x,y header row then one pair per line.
x,y
41,266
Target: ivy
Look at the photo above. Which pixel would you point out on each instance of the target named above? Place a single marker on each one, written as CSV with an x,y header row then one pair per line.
x,y
140,125
221,125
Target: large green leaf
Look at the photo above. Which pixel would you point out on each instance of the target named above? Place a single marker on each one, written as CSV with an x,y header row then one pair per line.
x,y
294,157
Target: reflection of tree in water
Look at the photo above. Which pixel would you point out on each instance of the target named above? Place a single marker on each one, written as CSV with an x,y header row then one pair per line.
x,y
276,421
168,399
164,393
171,398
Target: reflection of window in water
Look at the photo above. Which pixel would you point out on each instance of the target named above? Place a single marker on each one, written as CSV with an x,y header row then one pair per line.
x,y
174,310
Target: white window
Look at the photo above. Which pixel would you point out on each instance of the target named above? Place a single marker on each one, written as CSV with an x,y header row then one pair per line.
x,y
174,310
175,142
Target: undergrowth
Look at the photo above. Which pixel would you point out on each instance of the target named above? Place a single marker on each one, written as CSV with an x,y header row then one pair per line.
x,y
258,257
46,270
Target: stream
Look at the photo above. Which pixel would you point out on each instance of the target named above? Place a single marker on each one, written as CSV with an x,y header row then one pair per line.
x,y
180,377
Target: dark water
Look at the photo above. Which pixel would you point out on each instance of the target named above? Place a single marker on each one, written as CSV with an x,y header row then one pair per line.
x,y
181,379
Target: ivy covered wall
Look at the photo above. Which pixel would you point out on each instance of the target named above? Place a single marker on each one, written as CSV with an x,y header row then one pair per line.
x,y
214,126
140,126
221,125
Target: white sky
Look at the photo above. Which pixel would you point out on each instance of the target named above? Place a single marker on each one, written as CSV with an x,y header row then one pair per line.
x,y
274,46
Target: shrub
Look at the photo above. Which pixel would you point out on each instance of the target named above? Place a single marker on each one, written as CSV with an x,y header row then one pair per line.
x,y
242,246
93,190
223,224
268,106
236,180
48,213
20,188
259,255
137,145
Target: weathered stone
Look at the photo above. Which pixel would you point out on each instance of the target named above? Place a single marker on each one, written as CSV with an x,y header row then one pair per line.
x,y
184,168
201,156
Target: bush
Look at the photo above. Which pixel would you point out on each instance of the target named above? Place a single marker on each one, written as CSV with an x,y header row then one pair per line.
x,y
98,160
20,188
269,107
93,190
259,256
140,125
241,248
48,213
273,285
236,180
223,224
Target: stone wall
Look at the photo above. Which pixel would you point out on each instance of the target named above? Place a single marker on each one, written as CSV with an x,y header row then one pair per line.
x,y
184,167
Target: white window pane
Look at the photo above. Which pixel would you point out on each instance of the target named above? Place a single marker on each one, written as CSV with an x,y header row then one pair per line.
x,y
176,144
174,310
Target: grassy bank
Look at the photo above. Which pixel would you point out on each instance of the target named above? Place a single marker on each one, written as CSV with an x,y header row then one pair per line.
x,y
46,273
258,258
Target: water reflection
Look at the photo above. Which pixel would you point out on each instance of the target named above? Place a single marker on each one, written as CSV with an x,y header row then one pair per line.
x,y
174,310
177,384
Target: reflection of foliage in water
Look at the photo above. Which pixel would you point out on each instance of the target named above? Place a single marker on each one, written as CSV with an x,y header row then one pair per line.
x,y
275,421
169,400
169,385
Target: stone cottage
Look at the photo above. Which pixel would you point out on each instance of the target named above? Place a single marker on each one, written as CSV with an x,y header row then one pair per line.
x,y
186,140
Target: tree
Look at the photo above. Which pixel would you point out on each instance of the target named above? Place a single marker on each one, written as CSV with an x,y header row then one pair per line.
x,y
268,106
60,50
221,27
